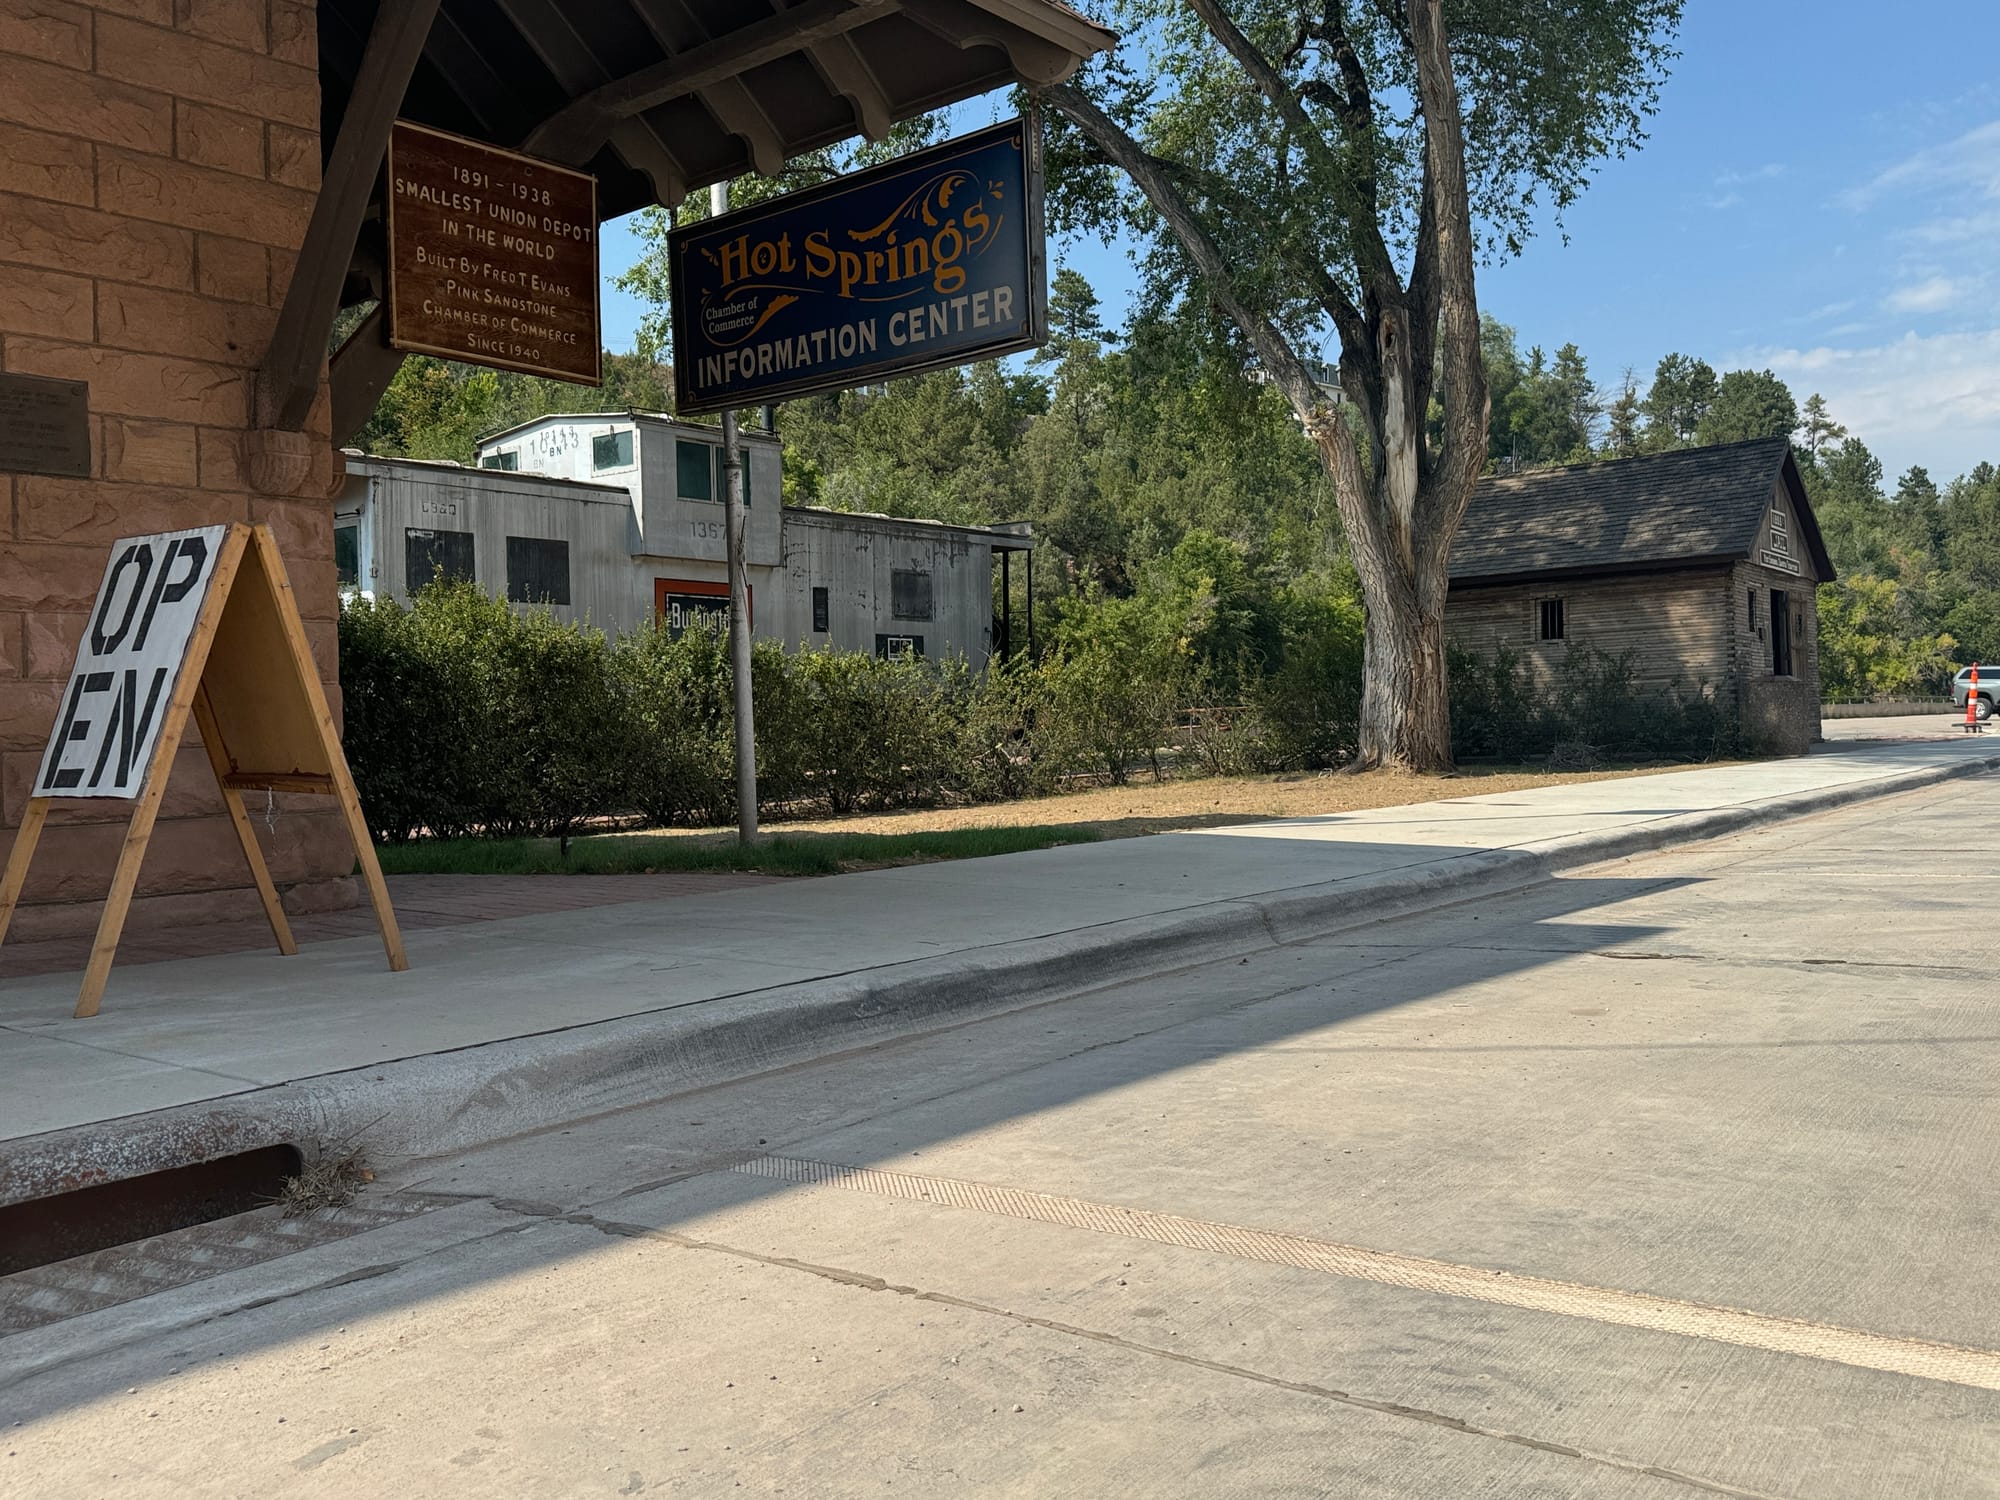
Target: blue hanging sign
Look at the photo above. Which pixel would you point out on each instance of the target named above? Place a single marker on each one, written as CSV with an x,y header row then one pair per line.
x,y
936,259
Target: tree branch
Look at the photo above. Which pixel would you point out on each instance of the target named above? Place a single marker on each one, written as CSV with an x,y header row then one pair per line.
x,y
1274,350
1467,405
1386,9
1424,292
1357,116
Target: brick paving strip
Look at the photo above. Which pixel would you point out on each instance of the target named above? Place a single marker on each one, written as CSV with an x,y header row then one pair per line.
x,y
421,901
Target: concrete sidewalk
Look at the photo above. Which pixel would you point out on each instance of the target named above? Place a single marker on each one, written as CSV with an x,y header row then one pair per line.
x,y
1931,726
515,1024
421,901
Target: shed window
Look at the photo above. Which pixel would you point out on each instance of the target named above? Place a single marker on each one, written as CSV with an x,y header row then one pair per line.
x,y
1552,620
1751,618
537,570
611,450
694,470
432,555
347,554
820,611
510,460
1781,634
910,594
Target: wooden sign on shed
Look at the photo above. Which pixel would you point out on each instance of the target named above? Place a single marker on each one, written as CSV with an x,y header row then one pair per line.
x,y
199,623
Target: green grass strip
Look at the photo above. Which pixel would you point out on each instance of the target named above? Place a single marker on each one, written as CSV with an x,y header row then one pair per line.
x,y
778,854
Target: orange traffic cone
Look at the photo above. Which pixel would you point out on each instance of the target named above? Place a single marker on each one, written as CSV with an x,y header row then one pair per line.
x,y
1972,724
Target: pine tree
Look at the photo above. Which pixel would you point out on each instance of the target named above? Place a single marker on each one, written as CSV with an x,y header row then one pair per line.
x,y
1623,420
1748,404
1817,427
1683,390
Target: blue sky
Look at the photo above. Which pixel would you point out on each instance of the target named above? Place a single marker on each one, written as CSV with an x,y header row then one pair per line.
x,y
1820,196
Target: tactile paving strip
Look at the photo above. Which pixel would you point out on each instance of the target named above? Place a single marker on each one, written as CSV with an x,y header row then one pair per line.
x,y
1923,1358
123,1273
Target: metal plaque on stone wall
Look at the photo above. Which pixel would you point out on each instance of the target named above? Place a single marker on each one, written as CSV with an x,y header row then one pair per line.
x,y
44,426
493,257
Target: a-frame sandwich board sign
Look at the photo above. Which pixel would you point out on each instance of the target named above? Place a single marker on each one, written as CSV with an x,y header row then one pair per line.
x,y
199,623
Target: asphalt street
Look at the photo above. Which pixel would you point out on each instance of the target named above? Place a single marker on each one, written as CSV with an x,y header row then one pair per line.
x,y
1670,1177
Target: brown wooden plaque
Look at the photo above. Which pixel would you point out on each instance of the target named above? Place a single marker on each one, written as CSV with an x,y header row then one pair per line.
x,y
492,257
44,426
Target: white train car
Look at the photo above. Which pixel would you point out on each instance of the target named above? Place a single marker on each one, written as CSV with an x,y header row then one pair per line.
x,y
616,519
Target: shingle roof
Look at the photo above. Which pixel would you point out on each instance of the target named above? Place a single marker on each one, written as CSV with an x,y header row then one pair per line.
x,y
1692,505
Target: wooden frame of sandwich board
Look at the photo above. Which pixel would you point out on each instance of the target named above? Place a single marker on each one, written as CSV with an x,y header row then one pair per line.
x,y
247,677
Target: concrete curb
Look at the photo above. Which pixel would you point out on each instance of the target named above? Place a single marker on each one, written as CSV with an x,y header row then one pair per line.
x,y
453,1101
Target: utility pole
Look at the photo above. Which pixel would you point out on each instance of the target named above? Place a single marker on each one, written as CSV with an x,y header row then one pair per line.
x,y
734,524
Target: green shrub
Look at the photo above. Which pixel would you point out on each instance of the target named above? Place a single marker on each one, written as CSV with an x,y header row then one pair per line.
x,y
1498,712
403,738
1493,708
999,713
868,733
464,716
1309,709
681,740
1109,692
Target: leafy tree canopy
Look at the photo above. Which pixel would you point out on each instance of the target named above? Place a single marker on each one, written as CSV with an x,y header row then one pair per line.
x,y
1748,404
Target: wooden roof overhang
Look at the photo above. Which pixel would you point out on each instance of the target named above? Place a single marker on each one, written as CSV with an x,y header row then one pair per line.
x,y
656,98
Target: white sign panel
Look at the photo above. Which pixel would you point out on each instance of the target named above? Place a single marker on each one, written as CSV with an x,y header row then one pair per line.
x,y
128,663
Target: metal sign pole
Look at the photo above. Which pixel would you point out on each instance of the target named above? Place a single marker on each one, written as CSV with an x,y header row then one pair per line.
x,y
734,525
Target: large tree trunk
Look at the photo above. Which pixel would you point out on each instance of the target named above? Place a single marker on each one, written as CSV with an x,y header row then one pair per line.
x,y
1405,703
1402,506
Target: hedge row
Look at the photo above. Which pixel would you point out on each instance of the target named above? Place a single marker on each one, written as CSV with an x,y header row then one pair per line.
x,y
1592,710
466,717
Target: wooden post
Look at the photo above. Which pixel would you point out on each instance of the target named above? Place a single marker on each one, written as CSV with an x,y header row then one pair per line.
x,y
289,380
218,760
343,779
26,837
125,879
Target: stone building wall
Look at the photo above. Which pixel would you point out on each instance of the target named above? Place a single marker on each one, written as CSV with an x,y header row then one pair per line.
x,y
159,161
1674,626
1779,715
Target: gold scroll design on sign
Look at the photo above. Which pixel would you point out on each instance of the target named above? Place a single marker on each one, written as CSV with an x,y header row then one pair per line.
x,y
856,272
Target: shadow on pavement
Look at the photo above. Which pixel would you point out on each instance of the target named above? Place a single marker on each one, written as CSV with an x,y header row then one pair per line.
x,y
991,1079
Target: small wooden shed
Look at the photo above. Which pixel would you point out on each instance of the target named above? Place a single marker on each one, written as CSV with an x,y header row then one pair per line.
x,y
1701,562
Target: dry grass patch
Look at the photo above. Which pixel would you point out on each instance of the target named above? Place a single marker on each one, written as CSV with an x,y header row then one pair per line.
x,y
1200,802
328,1181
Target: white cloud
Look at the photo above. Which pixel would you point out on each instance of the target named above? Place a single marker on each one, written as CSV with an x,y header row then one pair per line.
x,y
1970,161
1933,294
1765,173
1978,230
1932,400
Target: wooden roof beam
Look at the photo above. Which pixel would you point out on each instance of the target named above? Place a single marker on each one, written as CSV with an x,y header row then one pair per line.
x,y
576,131
288,383
1052,23
578,70
645,152
1037,59
847,73
732,103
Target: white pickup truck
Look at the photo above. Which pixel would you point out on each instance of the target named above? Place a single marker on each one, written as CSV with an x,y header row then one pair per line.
x,y
1989,685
